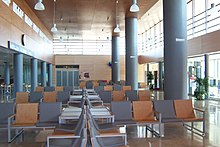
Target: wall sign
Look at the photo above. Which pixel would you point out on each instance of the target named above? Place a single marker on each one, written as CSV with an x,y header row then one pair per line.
x,y
20,49
18,10
7,2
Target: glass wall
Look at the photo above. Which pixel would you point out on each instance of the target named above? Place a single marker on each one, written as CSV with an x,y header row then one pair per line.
x,y
214,75
203,16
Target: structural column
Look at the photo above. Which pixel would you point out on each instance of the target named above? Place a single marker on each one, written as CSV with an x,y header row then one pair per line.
x,y
43,73
175,51
34,78
6,73
207,70
18,73
115,57
131,52
50,75
161,75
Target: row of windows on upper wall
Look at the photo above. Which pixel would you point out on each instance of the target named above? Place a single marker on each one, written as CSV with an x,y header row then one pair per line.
x,y
202,18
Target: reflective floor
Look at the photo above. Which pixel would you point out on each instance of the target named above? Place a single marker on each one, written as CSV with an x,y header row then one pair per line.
x,y
174,134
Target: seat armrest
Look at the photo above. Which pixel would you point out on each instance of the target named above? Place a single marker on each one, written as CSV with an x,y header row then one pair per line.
x,y
159,114
10,118
111,135
200,110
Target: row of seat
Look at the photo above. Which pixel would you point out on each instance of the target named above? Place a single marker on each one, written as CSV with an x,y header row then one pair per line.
x,y
120,95
158,111
38,96
28,115
57,88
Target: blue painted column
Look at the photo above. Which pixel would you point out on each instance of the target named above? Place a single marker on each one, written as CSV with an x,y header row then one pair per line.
x,y
175,50
6,73
50,75
18,73
34,78
131,52
161,75
115,57
43,73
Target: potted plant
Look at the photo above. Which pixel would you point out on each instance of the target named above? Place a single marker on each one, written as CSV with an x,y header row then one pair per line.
x,y
150,77
201,91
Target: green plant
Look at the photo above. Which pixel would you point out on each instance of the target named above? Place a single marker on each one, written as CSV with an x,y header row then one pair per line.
x,y
201,90
150,77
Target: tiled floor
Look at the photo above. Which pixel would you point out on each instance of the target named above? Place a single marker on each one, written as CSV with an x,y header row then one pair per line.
x,y
175,134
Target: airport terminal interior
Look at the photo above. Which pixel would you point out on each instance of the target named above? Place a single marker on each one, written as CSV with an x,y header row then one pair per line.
x,y
109,73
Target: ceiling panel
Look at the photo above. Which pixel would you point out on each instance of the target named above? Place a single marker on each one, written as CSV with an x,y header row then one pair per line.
x,y
90,19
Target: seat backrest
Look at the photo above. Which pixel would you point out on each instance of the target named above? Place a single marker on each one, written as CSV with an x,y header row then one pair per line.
x,y
26,113
122,110
106,96
59,88
89,85
184,109
82,84
49,89
50,96
35,96
63,96
68,88
131,95
50,112
95,83
144,95
108,88
6,110
118,95
39,88
143,110
126,88
117,87
98,89
22,97
165,107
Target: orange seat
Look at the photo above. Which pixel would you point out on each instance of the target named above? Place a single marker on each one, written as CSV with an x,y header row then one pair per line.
x,y
59,88
22,97
126,88
50,96
118,95
144,95
143,111
108,88
184,109
40,89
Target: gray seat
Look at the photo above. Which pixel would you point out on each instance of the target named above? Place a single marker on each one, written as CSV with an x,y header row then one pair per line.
x,y
166,108
98,89
77,129
68,88
117,87
89,85
49,89
49,114
101,126
63,96
106,96
35,97
132,95
123,112
6,110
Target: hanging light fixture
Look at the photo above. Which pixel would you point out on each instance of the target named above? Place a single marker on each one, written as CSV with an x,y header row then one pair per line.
x,y
54,28
134,7
117,29
39,6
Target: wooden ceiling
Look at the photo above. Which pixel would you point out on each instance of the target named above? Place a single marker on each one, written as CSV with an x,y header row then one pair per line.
x,y
87,19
